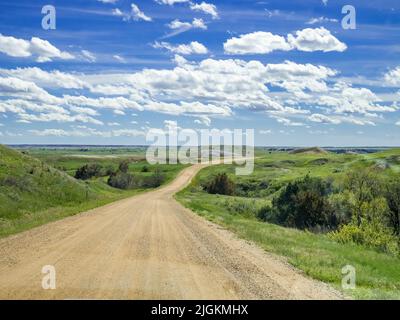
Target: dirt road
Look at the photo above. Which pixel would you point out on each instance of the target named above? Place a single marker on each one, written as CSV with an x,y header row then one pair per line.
x,y
146,247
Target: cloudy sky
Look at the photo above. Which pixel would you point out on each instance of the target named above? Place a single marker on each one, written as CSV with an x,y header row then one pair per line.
x,y
113,69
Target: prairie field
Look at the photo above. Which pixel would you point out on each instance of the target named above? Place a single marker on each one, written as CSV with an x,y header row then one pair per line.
x,y
312,250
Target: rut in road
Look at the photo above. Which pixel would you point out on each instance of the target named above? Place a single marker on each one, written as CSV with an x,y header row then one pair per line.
x,y
147,247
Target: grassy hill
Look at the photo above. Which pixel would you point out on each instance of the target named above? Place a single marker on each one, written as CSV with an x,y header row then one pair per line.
x,y
27,185
34,192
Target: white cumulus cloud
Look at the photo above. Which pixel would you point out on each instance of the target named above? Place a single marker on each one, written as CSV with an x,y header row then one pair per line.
x,y
203,90
185,49
48,79
195,24
135,14
256,43
318,39
393,77
42,50
205,7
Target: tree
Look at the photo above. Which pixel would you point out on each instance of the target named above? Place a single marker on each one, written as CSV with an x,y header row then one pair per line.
x,y
88,171
392,196
375,212
373,231
342,205
365,186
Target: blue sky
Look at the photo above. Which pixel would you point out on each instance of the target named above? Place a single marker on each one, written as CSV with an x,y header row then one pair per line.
x,y
113,69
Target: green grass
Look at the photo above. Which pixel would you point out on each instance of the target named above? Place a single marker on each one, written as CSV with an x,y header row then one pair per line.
x,y
377,274
71,159
33,192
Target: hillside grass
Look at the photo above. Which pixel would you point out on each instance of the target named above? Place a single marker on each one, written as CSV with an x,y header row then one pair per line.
x,y
33,192
377,274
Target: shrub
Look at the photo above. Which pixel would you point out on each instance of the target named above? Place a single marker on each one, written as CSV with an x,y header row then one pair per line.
x,y
304,204
247,208
252,188
23,183
145,169
121,180
368,235
88,171
10,181
373,231
109,170
154,181
266,214
124,166
348,233
220,184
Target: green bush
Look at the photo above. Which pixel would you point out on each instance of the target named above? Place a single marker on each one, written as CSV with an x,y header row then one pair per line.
x,y
220,184
153,181
266,213
124,166
246,208
348,233
89,171
304,204
373,230
367,235
21,182
121,180
109,170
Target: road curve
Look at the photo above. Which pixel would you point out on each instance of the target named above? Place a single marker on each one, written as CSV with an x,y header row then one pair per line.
x,y
146,247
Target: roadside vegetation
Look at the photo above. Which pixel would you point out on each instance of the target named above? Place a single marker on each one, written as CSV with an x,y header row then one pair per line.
x,y
320,210
42,185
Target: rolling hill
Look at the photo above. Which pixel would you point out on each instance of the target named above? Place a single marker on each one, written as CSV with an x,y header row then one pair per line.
x,y
27,185
313,150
